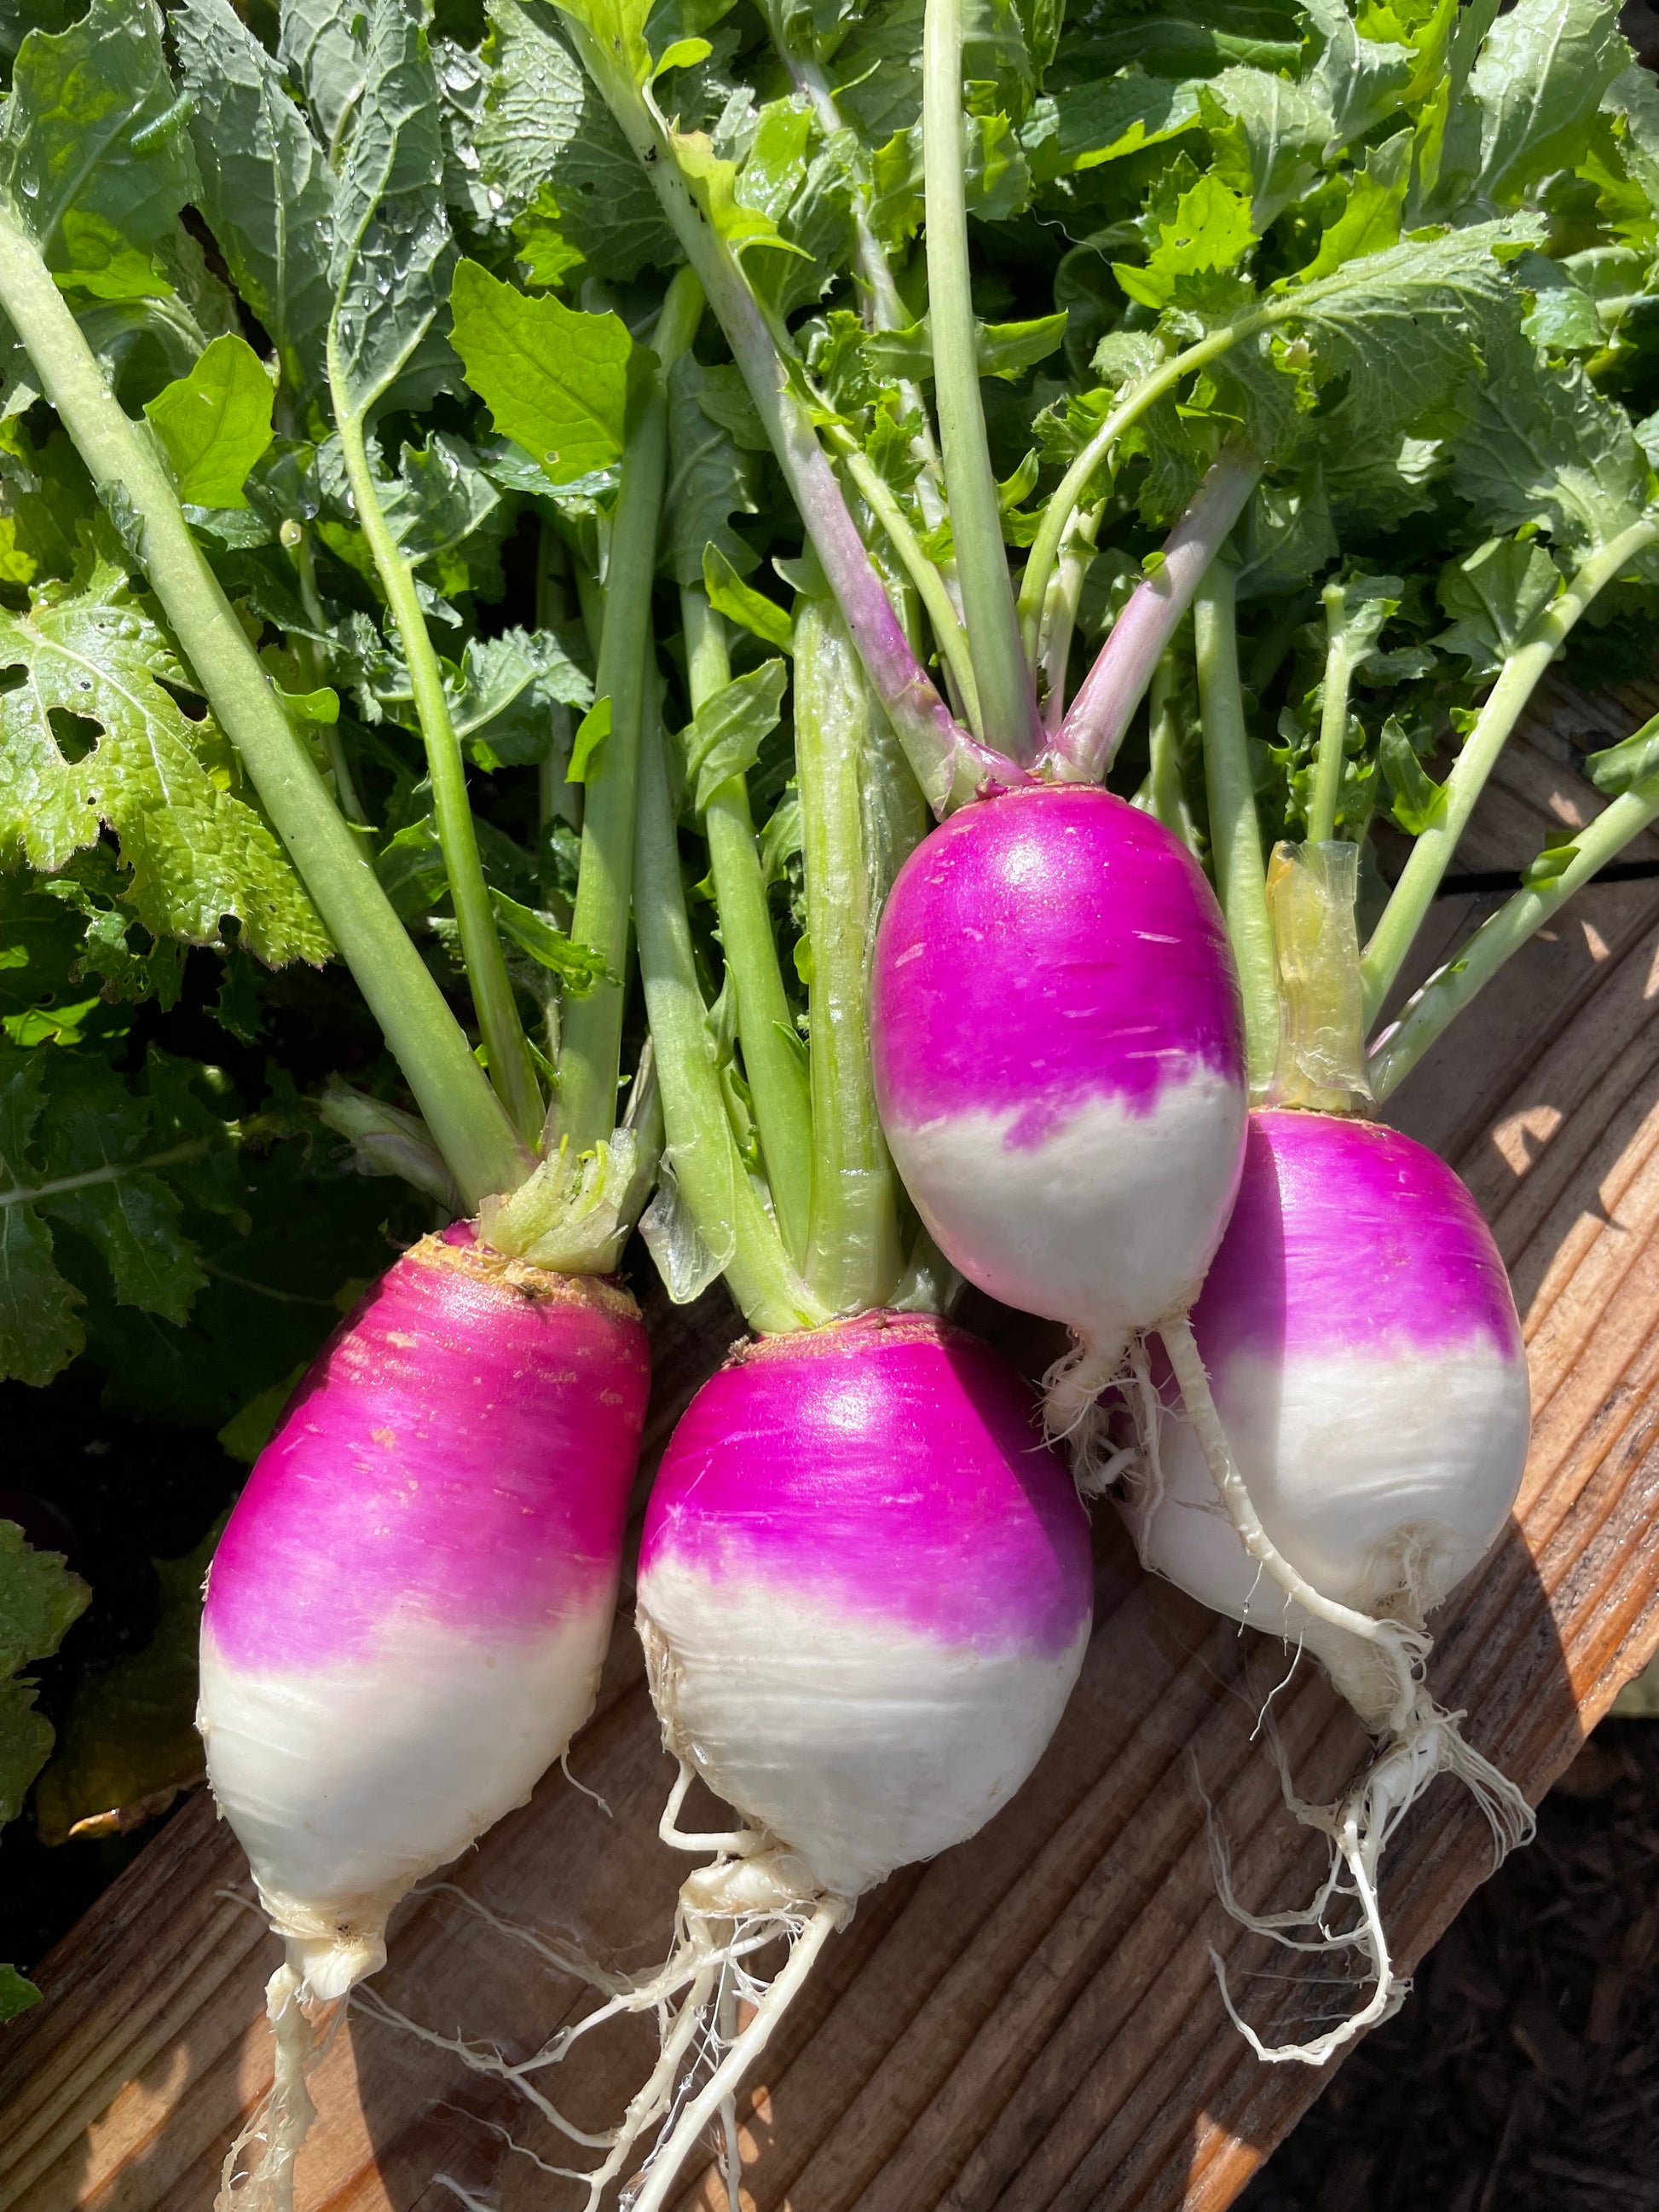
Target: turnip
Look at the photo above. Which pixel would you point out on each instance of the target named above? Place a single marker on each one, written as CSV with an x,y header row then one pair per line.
x,y
850,1520
1366,1366
1351,1382
864,1595
406,1616
1059,1064
407,1613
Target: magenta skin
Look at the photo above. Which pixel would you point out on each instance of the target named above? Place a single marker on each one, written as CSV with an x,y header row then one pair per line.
x,y
892,1464
460,1453
1043,948
1347,1237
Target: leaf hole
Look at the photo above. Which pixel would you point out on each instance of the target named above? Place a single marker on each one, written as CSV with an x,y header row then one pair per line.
x,y
73,735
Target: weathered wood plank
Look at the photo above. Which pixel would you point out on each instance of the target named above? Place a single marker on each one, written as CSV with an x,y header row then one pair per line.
x,y
1030,2023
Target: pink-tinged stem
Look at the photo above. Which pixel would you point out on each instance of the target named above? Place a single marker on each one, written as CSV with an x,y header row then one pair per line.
x,y
1089,738
949,762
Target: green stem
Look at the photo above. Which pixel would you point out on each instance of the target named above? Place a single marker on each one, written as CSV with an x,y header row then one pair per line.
x,y
512,1071
112,1171
703,1153
590,604
853,1257
1333,722
471,1131
1058,624
1167,786
1432,853
1431,1011
950,765
883,307
314,665
772,1059
1235,834
1001,674
948,634
1068,493
558,800
590,1062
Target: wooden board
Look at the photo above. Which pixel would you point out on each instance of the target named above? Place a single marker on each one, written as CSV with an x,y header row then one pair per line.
x,y
1031,2022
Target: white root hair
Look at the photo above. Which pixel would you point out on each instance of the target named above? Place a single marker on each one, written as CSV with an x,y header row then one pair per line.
x,y
303,2029
1377,1664
752,1897
1073,1415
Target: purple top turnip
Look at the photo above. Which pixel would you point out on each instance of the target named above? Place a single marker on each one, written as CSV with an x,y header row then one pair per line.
x,y
1058,1060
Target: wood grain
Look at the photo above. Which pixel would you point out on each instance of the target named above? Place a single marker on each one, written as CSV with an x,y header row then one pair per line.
x,y
1031,2022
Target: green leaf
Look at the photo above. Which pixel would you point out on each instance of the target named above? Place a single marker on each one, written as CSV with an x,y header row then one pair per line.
x,y
1545,448
724,737
321,49
1357,610
1620,768
618,29
1288,537
1209,235
591,733
251,1428
129,1743
92,149
578,967
1406,330
555,380
554,159
16,1994
996,174
159,781
40,1331
214,423
1008,349
1357,80
502,701
740,603
392,253
99,1137
712,479
267,190
1558,856
1493,597
1370,217
1266,134
1083,126
877,70
39,1599
804,184
1410,313
1004,349
1539,80
1419,801
439,498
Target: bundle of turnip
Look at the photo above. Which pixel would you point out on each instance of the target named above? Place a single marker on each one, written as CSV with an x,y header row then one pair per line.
x,y
865,1589
1055,1046
406,1616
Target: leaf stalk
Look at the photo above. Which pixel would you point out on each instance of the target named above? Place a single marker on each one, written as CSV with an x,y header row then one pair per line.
x,y
1001,675
1235,832
1431,851
466,1119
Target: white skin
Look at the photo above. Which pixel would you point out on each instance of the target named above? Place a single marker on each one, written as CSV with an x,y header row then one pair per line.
x,y
863,1744
1106,1224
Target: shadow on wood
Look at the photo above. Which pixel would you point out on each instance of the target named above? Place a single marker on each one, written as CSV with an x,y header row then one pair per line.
x,y
1031,2022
